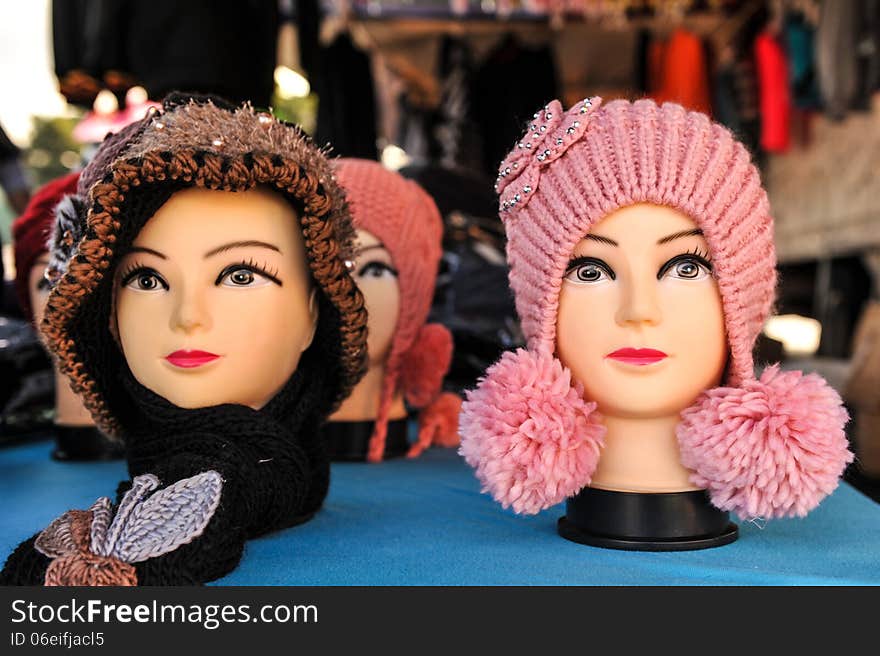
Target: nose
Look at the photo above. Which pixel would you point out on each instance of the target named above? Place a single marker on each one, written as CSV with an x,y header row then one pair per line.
x,y
639,303
190,312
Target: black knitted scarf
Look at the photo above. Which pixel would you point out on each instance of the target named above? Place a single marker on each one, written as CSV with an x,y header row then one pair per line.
x,y
274,464
275,469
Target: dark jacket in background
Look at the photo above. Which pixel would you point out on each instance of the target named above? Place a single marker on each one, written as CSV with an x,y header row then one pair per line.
x,y
514,82
221,47
343,80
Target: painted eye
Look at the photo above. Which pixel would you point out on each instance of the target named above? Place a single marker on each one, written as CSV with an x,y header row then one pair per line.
x,y
688,269
588,273
377,270
243,277
145,280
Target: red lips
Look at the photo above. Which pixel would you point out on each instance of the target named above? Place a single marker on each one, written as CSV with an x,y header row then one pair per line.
x,y
636,356
187,359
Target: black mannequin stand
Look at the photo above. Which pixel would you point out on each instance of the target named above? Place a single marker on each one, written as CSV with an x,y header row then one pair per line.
x,y
673,521
348,440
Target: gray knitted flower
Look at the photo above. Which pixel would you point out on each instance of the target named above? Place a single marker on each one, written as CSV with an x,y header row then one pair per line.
x,y
98,547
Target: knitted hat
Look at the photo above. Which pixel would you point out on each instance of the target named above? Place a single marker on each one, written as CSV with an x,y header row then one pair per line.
x,y
768,447
408,223
197,142
31,232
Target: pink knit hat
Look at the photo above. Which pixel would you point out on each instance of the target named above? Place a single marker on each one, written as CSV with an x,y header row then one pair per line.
x,y
407,222
770,447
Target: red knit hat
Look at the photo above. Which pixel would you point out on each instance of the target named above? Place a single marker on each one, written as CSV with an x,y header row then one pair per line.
x,y
408,223
32,230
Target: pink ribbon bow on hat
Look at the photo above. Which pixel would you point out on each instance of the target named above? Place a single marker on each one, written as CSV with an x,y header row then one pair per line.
x,y
549,135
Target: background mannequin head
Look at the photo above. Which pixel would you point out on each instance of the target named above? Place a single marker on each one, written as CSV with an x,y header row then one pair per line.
x,y
32,233
377,278
399,236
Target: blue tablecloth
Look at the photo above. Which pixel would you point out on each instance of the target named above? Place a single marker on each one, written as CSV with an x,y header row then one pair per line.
x,y
424,522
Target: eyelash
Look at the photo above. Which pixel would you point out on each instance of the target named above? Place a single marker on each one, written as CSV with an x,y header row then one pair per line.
x,y
696,254
250,265
384,266
576,262
703,255
126,274
136,268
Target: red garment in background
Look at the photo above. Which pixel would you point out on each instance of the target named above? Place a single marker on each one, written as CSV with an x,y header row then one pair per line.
x,y
773,93
656,56
683,77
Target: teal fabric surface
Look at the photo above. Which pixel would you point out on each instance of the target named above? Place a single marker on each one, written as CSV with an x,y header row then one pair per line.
x,y
424,522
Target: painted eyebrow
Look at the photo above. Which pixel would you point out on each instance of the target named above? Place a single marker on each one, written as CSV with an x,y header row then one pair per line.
x,y
241,244
679,235
143,249
601,239
369,248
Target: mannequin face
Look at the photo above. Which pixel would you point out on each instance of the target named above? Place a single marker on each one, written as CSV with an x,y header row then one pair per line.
x,y
38,287
642,280
214,302
376,276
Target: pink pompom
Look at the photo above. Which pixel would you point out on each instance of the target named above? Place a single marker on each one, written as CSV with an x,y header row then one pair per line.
x,y
425,364
438,424
528,432
771,448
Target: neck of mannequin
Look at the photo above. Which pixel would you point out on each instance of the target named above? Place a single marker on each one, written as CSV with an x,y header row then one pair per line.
x,y
363,403
641,455
69,408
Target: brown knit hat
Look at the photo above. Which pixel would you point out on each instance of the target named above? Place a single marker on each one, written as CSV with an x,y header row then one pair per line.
x,y
197,142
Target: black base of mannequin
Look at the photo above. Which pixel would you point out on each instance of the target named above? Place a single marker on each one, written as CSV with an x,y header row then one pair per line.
x,y
84,443
348,440
674,521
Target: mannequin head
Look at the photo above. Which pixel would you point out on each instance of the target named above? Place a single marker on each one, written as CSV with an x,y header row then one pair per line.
x,y
642,279
399,233
35,245
377,278
600,181
31,234
213,228
69,409
214,302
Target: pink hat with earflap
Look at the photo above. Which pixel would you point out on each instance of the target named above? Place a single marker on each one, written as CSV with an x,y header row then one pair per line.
x,y
407,222
771,447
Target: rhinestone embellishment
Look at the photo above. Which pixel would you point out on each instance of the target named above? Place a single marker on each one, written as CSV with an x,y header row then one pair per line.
x,y
551,132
